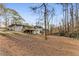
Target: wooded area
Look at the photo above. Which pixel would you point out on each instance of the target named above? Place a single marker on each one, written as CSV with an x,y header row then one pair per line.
x,y
69,26
70,21
53,30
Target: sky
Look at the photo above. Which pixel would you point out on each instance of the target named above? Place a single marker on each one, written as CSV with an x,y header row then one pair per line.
x,y
29,16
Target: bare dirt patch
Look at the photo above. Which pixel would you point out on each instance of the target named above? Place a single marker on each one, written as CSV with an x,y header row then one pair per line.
x,y
19,44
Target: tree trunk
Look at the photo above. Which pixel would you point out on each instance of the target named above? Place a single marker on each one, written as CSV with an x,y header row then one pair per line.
x,y
45,20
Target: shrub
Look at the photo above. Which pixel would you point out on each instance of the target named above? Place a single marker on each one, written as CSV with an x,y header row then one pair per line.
x,y
74,35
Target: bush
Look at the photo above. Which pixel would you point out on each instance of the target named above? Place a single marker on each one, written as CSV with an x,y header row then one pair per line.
x,y
59,33
67,34
62,33
74,35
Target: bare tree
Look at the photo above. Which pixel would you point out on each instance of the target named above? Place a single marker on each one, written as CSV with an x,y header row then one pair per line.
x,y
44,5
50,20
76,15
2,7
65,15
77,19
72,19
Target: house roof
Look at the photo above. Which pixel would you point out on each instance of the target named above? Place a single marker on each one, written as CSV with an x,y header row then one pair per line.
x,y
29,29
29,26
16,25
26,27
38,27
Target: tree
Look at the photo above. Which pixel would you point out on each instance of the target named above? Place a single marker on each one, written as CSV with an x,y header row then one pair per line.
x,y
1,11
45,16
2,7
76,15
77,19
12,16
65,20
66,16
72,19
51,14
64,9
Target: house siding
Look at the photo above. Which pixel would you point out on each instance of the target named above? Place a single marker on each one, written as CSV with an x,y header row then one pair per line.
x,y
16,28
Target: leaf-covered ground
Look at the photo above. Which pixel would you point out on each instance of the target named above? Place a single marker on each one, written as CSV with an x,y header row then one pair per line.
x,y
19,44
